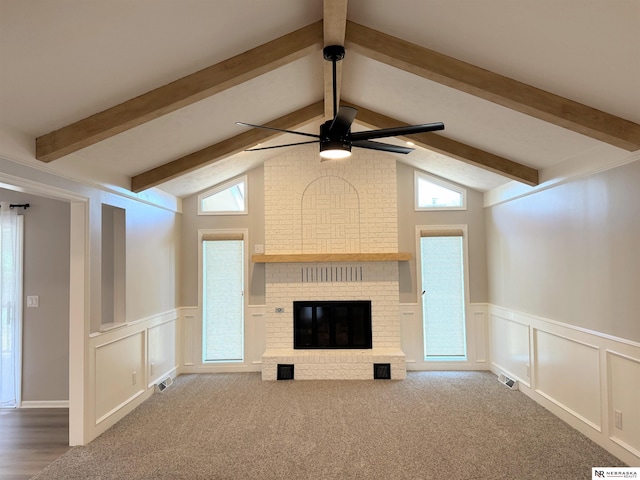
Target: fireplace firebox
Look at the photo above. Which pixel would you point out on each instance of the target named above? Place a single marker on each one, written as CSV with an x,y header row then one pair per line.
x,y
332,324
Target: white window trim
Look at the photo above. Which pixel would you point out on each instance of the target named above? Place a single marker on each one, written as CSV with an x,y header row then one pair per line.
x,y
417,175
469,330
215,367
220,188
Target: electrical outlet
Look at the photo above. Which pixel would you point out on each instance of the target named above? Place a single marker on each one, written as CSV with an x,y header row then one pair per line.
x,y
279,310
617,416
528,370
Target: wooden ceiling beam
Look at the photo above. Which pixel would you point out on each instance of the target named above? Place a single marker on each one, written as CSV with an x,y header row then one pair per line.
x,y
334,28
452,148
225,148
180,93
491,86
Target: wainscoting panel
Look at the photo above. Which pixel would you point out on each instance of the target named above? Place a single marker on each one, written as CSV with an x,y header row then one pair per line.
x,y
510,346
188,335
589,379
162,351
120,373
479,323
624,400
255,333
411,333
567,373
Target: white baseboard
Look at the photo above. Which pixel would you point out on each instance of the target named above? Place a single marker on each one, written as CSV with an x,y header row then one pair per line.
x,y
45,404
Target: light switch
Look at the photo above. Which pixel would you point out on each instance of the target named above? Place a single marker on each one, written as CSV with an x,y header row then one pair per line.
x,y
32,301
617,415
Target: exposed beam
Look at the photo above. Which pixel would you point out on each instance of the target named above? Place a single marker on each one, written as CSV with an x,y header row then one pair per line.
x,y
225,148
493,87
180,93
452,148
334,28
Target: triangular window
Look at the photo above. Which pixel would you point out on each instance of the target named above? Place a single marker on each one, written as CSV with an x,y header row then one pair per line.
x,y
435,194
226,199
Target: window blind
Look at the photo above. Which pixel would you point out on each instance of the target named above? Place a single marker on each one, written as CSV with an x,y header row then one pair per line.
x,y
449,232
213,237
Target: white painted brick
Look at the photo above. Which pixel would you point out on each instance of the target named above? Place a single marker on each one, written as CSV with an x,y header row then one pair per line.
x,y
333,207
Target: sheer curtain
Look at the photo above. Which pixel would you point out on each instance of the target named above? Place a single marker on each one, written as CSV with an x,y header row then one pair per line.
x,y
11,306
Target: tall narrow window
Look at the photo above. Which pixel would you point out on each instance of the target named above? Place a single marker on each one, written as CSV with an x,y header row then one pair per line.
x,y
443,300
223,298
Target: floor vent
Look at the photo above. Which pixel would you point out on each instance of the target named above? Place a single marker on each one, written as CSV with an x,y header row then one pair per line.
x,y
162,386
509,382
382,371
285,371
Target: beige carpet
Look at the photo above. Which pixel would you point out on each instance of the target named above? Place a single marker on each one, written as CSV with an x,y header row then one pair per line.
x,y
433,425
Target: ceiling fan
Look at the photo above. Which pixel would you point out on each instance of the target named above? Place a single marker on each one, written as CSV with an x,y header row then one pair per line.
x,y
336,138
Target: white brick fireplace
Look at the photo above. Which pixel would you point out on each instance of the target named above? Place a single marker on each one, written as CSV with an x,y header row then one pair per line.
x,y
331,207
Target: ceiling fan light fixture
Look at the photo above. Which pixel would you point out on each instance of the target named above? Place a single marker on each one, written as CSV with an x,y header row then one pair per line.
x,y
336,138
334,150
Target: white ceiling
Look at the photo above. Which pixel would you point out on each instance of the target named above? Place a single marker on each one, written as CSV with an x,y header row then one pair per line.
x,y
63,61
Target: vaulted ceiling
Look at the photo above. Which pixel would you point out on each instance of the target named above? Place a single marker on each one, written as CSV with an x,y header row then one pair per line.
x,y
145,94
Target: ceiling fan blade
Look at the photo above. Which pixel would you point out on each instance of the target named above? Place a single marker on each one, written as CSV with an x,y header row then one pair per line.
x,y
385,147
277,129
397,131
342,122
280,146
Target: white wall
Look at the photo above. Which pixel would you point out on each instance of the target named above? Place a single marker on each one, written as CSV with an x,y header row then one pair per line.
x,y
564,276
570,253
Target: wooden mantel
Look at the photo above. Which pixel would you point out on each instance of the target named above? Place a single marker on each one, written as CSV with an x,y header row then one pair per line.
x,y
331,257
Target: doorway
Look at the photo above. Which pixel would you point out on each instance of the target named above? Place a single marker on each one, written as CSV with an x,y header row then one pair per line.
x,y
11,274
442,254
223,298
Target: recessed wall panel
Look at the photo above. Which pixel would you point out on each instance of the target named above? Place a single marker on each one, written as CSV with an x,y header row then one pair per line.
x,y
568,373
162,351
624,401
510,347
120,373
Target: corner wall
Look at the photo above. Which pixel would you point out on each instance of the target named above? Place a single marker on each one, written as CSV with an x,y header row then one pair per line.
x,y
564,276
107,382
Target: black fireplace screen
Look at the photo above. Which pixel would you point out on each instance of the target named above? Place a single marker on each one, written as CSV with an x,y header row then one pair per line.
x,y
332,324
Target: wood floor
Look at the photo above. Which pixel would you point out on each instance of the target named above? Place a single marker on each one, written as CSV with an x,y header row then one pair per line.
x,y
31,439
